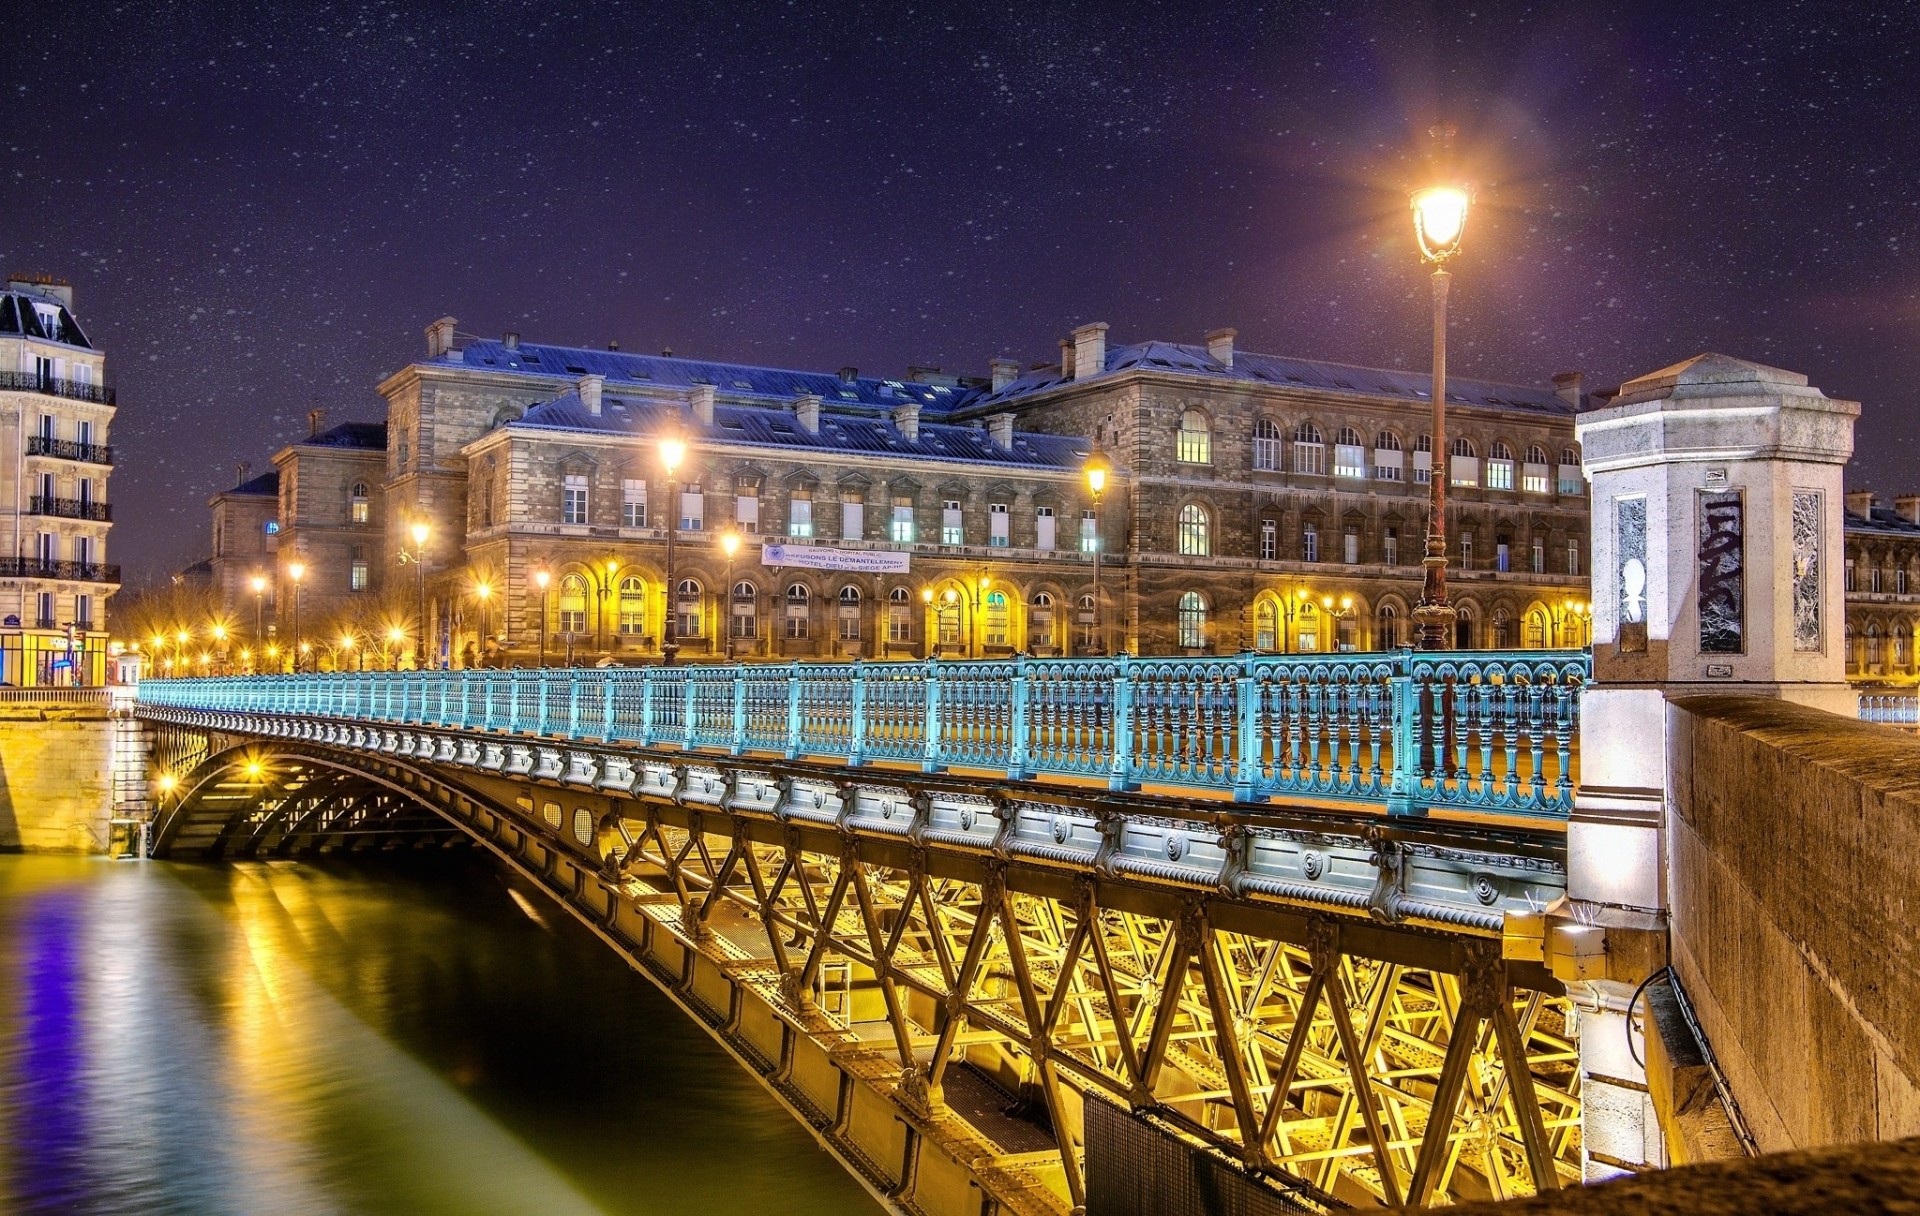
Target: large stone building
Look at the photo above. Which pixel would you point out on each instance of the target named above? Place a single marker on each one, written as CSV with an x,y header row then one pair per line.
x,y
328,550
246,540
1258,503
55,412
1882,581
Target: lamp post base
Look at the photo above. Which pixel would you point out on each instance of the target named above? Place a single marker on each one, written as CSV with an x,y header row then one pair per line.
x,y
1433,616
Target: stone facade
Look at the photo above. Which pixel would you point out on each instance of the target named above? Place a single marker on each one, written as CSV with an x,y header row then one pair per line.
x,y
246,542
331,507
55,413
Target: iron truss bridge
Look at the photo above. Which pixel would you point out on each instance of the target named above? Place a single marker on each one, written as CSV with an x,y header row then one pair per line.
x,y
1009,936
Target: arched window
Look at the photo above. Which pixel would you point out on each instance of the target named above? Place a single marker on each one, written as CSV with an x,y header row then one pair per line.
x,y
1193,621
1090,627
1501,628
1040,622
746,610
1387,441
573,604
1462,447
1499,467
1309,453
1423,460
1389,461
1195,529
899,615
849,613
1499,451
798,598
1873,644
1266,625
1570,481
1569,456
1386,628
688,616
1349,455
996,614
1463,469
1348,436
357,503
1266,444
1536,454
1535,637
1463,629
633,606
1195,444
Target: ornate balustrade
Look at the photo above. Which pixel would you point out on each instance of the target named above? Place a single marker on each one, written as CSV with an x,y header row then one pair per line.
x,y
1470,730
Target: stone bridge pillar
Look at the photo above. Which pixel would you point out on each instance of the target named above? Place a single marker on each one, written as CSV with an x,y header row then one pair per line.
x,y
1716,550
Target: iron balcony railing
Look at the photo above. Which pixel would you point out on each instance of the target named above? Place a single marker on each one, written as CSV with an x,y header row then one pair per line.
x,y
69,449
1404,730
1891,709
33,567
32,382
69,508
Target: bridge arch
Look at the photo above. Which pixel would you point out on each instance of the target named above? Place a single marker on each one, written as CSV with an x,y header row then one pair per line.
x,y
270,798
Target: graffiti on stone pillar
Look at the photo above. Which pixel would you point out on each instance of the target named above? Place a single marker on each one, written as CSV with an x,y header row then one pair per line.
x,y
1807,527
1630,565
1722,581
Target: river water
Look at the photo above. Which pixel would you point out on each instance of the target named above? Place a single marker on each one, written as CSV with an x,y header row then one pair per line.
x,y
365,1037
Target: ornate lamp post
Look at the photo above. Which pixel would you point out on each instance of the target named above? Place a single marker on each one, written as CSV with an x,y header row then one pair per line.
x,y
1097,470
482,592
1289,605
541,578
418,556
296,571
932,642
730,545
1336,611
673,449
259,609
1439,219
1567,616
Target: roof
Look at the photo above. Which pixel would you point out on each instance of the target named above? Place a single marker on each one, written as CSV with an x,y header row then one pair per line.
x,y
266,485
1284,372
780,385
1884,520
760,427
371,435
26,314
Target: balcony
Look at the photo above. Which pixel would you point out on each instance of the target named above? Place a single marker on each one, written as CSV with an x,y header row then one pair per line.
x,y
70,508
30,382
33,567
68,449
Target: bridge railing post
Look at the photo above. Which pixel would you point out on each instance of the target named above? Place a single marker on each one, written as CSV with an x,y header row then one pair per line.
x,y
1121,773
1403,786
930,744
793,711
738,743
689,690
1248,722
573,708
1017,750
857,722
647,685
608,687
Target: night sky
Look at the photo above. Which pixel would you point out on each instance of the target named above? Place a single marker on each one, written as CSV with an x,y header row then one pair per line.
x,y
261,207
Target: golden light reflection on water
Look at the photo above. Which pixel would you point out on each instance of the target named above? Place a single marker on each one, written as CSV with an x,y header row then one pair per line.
x,y
290,1039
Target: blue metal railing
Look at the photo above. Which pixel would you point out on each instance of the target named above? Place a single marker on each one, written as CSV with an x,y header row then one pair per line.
x,y
1488,731
1891,709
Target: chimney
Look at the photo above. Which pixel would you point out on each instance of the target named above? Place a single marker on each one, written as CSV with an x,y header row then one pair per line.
x,y
1220,346
1089,350
1005,372
806,408
1860,502
440,337
1000,430
1572,387
614,345
666,353
906,416
511,339
316,418
700,397
849,374
240,472
590,387
1908,505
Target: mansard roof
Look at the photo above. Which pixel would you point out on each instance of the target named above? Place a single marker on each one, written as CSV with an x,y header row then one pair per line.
x,y
371,435
1282,371
844,434
865,393
19,318
1887,521
266,485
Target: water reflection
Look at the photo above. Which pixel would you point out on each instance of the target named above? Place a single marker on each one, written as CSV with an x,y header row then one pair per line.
x,y
373,1038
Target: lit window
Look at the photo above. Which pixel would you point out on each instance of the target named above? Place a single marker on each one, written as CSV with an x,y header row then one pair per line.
x,y
1310,543
997,534
1269,540
357,569
746,606
1309,453
900,530
1569,477
1349,455
952,528
899,615
1195,444
1390,546
633,606
798,598
1040,622
1465,465
357,503
573,604
1499,467
1194,529
1423,460
573,499
1266,445
853,515
849,614
1193,621
1389,461
800,512
997,618
1089,531
633,503
687,615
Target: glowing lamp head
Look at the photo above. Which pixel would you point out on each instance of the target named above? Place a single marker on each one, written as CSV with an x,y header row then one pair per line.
x,y
219,633
926,595
673,450
184,636
1097,470
1439,220
158,641
730,542
482,590
952,595
253,768
167,783
346,641
296,571
420,532
396,634
259,584
541,578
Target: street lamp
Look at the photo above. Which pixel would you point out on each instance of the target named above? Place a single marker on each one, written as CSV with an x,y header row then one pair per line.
x,y
420,531
541,578
1097,470
1290,604
926,599
730,545
1565,615
950,602
395,636
483,592
673,449
296,571
1336,612
1439,220
259,607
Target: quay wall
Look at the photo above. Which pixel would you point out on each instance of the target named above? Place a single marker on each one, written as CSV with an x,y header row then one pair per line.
x,y
55,775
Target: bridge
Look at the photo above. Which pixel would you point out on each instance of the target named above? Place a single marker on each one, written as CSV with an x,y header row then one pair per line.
x,y
1015,936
